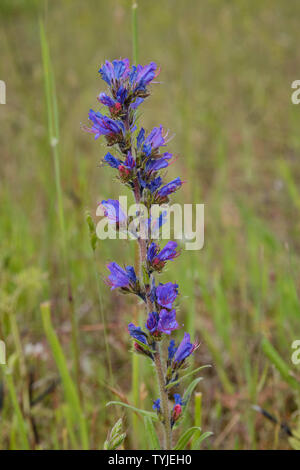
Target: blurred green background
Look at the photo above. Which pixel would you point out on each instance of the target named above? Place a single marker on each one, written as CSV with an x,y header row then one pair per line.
x,y
225,92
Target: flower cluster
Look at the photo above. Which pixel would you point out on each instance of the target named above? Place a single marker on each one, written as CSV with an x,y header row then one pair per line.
x,y
138,159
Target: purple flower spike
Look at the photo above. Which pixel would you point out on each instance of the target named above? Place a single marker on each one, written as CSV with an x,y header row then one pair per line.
x,y
185,349
167,321
152,322
166,294
113,211
119,277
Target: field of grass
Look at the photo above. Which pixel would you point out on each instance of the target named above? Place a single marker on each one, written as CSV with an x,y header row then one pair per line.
x,y
225,92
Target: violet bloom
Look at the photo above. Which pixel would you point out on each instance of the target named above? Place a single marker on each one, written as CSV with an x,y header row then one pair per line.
x,y
156,405
166,294
152,322
156,164
167,321
141,76
137,333
171,350
113,211
106,100
119,277
103,125
125,168
178,399
169,188
158,258
112,161
185,349
115,71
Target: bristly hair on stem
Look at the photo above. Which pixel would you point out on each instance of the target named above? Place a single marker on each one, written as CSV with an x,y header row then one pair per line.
x,y
138,160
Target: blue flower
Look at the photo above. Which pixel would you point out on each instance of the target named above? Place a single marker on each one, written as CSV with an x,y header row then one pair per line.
x,y
169,188
156,405
103,125
106,100
137,333
113,211
119,277
178,399
117,70
156,164
171,350
152,252
112,161
141,76
131,274
136,103
185,349
153,141
167,321
152,322
166,294
140,138
130,161
157,259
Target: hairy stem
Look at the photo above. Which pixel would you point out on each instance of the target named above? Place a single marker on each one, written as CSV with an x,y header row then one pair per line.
x,y
164,401
158,355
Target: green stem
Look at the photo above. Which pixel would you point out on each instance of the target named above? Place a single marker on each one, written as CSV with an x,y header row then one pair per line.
x,y
134,31
164,401
135,357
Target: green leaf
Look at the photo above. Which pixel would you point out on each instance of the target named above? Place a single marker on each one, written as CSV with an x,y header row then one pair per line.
x,y
143,345
188,393
203,436
171,384
136,410
151,434
185,438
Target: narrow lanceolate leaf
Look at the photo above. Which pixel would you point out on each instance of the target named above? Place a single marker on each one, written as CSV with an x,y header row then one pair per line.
x,y
171,384
151,434
185,438
199,441
133,408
